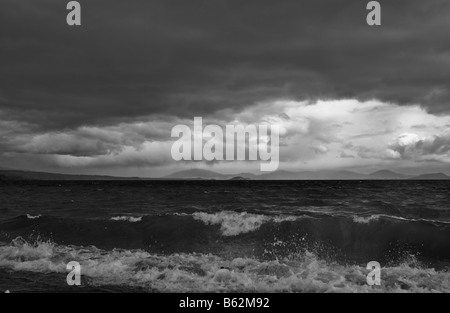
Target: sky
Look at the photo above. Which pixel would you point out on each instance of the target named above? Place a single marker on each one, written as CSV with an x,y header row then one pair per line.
x,y
102,98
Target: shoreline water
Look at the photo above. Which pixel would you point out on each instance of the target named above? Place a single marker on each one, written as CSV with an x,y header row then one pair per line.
x,y
41,267
225,237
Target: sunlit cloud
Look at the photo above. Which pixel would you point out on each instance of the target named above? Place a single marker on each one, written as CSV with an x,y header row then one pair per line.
x,y
326,134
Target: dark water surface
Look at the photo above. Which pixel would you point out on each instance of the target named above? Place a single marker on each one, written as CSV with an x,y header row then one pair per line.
x,y
291,236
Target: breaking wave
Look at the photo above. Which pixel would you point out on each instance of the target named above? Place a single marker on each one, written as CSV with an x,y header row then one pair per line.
x,y
233,223
349,238
209,273
130,219
34,217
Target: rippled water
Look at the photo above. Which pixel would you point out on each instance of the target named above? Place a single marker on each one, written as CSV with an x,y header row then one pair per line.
x,y
226,235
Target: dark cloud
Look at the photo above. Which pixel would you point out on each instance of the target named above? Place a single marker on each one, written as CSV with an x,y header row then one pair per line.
x,y
132,59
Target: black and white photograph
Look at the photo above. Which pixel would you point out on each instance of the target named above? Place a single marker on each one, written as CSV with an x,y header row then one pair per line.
x,y
218,147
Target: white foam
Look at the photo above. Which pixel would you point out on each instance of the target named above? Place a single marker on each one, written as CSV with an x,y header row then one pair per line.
x,y
209,273
374,218
130,219
366,220
233,223
31,217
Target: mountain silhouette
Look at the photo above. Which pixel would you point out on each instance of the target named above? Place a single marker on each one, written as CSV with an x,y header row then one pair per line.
x,y
433,176
387,174
200,174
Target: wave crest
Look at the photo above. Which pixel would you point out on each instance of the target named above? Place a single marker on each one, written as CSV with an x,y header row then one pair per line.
x,y
130,219
209,273
234,223
366,220
33,217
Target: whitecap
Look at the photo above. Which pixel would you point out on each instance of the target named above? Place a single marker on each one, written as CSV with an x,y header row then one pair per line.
x,y
130,219
209,273
234,223
33,217
366,219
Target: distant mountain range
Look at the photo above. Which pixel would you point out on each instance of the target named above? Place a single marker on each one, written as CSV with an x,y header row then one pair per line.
x,y
199,174
306,175
27,175
434,176
205,174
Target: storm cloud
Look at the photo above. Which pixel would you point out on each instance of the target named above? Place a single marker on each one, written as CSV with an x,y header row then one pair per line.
x,y
134,68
